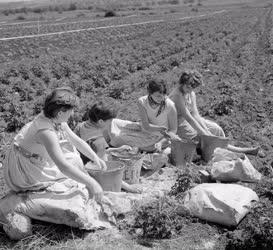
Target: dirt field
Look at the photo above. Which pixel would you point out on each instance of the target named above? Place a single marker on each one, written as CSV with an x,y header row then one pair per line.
x,y
111,59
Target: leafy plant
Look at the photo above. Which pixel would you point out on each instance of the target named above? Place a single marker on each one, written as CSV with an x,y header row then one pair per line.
x,y
159,219
185,181
256,232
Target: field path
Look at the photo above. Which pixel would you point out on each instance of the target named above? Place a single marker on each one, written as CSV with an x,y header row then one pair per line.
x,y
111,26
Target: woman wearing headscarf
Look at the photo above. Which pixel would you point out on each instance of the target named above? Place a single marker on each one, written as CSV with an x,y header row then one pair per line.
x,y
157,113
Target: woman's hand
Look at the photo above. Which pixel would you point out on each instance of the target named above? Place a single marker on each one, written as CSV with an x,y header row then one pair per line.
x,y
158,147
95,191
125,148
162,129
100,163
207,133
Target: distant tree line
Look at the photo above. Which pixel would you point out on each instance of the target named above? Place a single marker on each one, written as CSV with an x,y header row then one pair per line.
x,y
79,6
42,9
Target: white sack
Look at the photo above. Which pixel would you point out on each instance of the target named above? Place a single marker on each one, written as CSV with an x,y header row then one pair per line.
x,y
66,202
225,204
229,166
17,226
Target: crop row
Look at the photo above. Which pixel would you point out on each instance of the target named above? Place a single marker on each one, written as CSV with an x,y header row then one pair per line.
x,y
116,63
8,30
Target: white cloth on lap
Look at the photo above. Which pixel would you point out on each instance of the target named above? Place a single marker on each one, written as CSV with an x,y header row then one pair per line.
x,y
123,132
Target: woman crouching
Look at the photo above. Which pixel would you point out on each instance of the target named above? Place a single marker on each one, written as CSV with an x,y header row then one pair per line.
x,y
43,163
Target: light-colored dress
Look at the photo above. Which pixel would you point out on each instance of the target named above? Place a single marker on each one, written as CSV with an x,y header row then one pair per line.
x,y
28,165
162,118
185,130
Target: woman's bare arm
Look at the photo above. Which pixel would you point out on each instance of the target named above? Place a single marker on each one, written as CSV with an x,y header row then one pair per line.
x,y
49,139
181,106
172,122
195,112
83,147
172,119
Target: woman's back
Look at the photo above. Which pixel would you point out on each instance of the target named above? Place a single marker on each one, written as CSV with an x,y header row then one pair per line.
x,y
177,97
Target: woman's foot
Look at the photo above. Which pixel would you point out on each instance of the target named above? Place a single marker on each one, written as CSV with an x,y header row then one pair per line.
x,y
252,151
132,189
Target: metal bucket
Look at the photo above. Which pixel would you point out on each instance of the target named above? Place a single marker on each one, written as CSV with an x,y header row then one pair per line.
x,y
209,143
182,152
132,169
110,179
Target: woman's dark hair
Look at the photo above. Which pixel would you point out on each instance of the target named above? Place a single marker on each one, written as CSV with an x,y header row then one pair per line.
x,y
99,111
156,85
60,99
191,77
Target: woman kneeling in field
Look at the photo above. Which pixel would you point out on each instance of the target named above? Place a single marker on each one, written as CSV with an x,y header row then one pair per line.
x,y
158,113
190,123
45,166
158,121
95,131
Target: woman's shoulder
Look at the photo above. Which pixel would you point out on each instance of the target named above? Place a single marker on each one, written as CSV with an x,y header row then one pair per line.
x,y
79,126
193,95
87,130
143,99
42,122
170,102
175,94
87,126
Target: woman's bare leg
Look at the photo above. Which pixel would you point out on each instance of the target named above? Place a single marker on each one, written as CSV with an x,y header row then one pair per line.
x,y
251,150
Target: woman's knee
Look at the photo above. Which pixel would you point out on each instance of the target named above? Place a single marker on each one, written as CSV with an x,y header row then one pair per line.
x,y
186,132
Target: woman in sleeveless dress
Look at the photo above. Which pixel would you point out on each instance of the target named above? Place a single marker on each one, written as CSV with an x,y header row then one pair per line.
x,y
190,123
44,150
44,170
158,113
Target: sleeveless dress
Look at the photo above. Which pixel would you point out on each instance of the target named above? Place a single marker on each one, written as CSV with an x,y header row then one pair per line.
x,y
28,165
185,130
162,118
